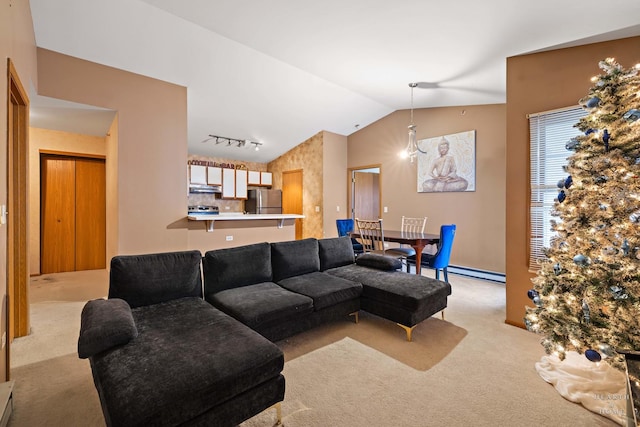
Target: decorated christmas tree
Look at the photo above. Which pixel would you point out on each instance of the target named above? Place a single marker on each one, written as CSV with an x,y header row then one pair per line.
x,y
586,295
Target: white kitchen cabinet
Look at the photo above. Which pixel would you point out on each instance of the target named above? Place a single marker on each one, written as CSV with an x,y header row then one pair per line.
x,y
214,175
228,183
266,178
198,174
253,178
241,183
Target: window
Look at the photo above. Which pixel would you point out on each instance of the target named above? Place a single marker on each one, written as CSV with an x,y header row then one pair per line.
x,y
549,133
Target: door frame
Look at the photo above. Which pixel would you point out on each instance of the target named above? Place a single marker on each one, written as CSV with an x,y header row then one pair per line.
x,y
17,233
351,186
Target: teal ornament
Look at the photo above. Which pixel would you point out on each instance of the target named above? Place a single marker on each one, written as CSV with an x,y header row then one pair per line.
x,y
572,144
593,102
581,260
592,355
625,247
631,115
586,311
528,324
560,183
618,293
606,350
601,179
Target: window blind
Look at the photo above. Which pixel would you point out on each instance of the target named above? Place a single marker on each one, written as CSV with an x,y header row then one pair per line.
x,y
549,133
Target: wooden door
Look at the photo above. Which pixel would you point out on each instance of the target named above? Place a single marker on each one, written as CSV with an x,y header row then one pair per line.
x,y
73,214
292,197
58,214
91,219
366,195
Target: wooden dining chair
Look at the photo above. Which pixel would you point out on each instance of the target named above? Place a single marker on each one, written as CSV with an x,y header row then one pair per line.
x,y
371,235
409,225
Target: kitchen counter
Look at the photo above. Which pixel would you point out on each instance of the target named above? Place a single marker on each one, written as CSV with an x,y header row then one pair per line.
x,y
211,219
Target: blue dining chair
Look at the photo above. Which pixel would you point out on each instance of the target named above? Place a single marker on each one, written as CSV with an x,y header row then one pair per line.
x,y
345,228
439,260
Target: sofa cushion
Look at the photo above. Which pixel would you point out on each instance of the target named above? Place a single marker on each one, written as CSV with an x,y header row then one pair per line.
x,y
324,289
335,252
236,267
105,324
188,357
381,262
154,278
263,303
294,257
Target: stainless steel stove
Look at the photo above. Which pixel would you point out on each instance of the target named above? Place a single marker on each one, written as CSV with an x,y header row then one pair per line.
x,y
203,210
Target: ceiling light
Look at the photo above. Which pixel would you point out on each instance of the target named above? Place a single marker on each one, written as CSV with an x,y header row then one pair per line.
x,y
412,147
232,141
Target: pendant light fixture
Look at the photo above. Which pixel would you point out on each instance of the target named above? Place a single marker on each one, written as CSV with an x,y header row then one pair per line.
x,y
412,147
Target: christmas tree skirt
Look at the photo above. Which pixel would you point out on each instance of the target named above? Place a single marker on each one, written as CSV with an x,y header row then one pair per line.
x,y
597,386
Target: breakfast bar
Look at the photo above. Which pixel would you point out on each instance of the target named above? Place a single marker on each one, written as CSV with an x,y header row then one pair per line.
x,y
209,219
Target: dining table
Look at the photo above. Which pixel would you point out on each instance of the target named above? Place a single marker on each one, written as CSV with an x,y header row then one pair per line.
x,y
417,241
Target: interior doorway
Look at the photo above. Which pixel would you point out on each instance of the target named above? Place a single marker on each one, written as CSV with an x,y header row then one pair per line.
x,y
292,197
365,192
73,213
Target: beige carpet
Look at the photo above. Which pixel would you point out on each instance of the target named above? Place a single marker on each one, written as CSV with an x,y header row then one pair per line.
x,y
470,369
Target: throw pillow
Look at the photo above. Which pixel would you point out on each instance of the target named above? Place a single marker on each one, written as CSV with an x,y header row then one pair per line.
x,y
105,324
381,262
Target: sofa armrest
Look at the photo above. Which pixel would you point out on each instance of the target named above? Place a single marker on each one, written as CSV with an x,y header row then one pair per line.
x,y
105,324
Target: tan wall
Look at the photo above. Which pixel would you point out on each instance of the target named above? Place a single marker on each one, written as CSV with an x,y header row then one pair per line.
x,y
111,144
308,157
151,151
535,83
51,141
479,216
334,166
17,42
242,232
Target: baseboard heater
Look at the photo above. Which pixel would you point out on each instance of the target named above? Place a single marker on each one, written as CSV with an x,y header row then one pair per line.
x,y
6,402
478,274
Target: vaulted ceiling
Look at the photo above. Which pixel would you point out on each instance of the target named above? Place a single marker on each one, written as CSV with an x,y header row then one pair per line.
x,y
278,72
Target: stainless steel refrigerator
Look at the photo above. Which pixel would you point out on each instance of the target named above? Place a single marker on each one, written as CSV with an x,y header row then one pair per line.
x,y
264,201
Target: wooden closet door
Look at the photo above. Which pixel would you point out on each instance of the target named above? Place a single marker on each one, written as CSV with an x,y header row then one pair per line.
x,y
58,221
90,214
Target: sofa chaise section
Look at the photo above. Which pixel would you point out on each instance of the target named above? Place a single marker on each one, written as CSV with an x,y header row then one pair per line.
x,y
404,298
189,363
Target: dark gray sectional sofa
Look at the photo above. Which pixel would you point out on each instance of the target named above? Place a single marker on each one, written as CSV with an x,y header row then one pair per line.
x,y
161,355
